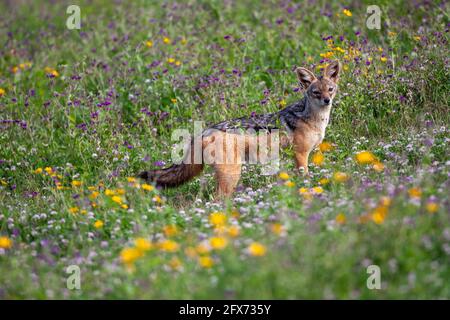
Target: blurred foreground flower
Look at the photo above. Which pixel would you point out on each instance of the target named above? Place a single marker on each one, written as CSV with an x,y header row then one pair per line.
x,y
206,262
340,176
415,193
5,243
432,207
340,218
283,176
365,157
217,218
257,249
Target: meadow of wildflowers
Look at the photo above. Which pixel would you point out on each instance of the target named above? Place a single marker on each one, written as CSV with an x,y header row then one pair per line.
x,y
82,111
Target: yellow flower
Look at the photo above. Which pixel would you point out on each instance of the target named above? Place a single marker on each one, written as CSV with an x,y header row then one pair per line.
x,y
217,218
324,181
235,213
169,246
76,183
417,38
379,214
183,41
415,193
365,157
392,34
94,195
51,71
206,262
149,44
109,192
171,60
117,199
327,55
91,188
173,100
233,231
190,252
170,230
124,206
340,176
98,224
166,40
385,201
282,103
378,166
340,218
317,158
38,171
289,184
129,255
175,263
142,244
257,249
5,243
147,187
2,92
14,69
432,207
49,170
347,12
383,59
120,191
303,190
283,176
178,63
157,199
74,210
277,228
131,179
84,211
318,190
218,243
202,248
325,146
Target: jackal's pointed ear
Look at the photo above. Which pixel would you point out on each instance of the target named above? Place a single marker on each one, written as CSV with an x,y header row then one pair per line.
x,y
305,76
332,71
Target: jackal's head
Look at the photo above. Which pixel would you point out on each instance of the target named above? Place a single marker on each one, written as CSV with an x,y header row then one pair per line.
x,y
320,91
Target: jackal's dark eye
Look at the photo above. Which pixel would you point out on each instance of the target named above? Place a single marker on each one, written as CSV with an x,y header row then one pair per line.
x,y
316,92
330,89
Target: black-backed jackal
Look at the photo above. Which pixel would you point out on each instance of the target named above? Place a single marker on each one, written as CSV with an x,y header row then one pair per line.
x,y
303,125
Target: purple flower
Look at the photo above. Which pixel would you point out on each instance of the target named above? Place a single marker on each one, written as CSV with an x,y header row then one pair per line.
x,y
159,163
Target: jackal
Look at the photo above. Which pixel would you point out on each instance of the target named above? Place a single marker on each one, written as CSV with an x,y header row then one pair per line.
x,y
302,123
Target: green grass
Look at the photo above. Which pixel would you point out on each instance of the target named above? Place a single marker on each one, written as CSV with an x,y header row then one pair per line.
x,y
235,58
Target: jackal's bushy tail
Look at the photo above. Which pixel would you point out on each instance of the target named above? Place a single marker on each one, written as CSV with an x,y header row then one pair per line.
x,y
172,176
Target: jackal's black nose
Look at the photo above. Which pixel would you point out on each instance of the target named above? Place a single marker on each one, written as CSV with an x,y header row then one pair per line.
x,y
326,100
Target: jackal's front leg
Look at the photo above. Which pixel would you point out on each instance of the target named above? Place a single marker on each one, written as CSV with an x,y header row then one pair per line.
x,y
227,176
302,151
301,161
